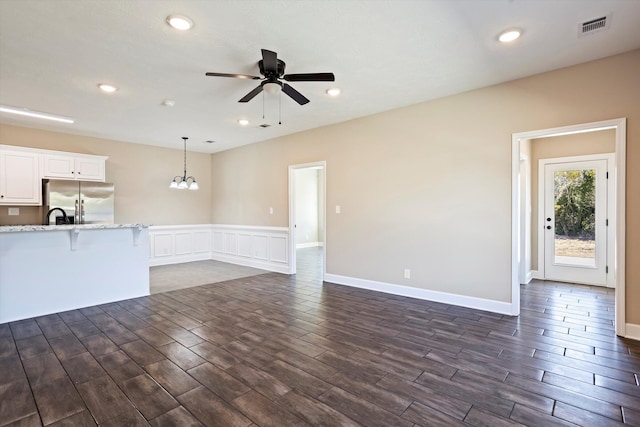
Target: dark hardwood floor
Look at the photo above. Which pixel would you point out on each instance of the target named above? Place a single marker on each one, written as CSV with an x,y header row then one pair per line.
x,y
274,350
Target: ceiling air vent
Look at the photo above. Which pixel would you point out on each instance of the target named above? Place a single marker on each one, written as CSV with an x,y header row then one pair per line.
x,y
264,125
594,25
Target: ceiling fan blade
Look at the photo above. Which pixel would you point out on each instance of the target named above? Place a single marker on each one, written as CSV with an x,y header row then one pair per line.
x,y
270,61
310,77
237,76
248,97
294,94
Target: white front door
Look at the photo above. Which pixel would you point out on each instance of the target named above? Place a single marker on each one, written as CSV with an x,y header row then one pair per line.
x,y
575,222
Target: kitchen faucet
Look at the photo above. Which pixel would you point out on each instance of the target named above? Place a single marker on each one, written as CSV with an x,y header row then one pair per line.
x,y
64,216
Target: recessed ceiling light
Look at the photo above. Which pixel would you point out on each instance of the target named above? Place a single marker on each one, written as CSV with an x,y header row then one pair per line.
x,y
107,88
509,35
168,102
243,122
36,114
179,22
334,91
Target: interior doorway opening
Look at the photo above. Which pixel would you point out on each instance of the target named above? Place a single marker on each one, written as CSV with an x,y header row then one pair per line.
x,y
307,219
523,266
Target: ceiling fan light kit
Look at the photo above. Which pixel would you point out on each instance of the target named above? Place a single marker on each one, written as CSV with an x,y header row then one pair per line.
x,y
184,182
272,70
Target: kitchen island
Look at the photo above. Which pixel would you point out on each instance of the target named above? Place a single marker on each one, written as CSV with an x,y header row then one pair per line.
x,y
47,269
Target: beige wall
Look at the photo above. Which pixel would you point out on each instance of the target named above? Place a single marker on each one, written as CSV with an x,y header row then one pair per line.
x,y
581,144
428,187
141,175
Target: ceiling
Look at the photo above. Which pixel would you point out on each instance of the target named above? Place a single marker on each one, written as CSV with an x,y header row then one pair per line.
x,y
385,54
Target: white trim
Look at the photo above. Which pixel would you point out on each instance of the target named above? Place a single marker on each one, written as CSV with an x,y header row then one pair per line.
x,y
633,331
620,181
292,214
309,245
423,294
535,274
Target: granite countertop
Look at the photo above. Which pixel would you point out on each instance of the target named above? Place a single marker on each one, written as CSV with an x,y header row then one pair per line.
x,y
16,228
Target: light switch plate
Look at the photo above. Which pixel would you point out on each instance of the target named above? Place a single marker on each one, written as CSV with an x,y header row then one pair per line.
x,y
338,209
13,211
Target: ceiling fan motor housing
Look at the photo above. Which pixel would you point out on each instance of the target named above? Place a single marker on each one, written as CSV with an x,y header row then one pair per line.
x,y
270,74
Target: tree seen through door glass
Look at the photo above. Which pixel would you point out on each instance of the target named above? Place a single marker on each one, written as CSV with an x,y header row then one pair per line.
x,y
575,216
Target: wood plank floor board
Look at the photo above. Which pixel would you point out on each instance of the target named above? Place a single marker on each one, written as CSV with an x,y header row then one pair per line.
x,y
272,349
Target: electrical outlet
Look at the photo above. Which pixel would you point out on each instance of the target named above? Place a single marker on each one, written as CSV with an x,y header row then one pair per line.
x,y
338,209
270,211
13,211
407,273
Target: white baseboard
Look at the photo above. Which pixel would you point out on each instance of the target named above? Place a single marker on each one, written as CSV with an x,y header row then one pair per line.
x,y
536,274
250,262
632,331
309,245
424,294
178,259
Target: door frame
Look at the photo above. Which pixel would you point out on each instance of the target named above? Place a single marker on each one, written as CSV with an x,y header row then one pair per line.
x,y
292,214
610,210
619,176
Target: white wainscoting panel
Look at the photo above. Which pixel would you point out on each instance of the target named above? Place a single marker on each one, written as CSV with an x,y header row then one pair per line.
x,y
253,246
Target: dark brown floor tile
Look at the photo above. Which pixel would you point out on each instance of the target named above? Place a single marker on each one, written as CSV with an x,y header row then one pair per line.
x,y
142,352
7,346
150,399
314,412
451,405
25,329
67,346
178,333
630,400
211,410
104,399
16,401
53,330
581,417
307,364
57,400
178,417
360,410
11,370
71,316
214,354
120,366
83,368
84,328
218,381
631,416
480,418
173,379
531,417
33,346
426,415
120,335
394,403
99,345
264,412
81,419
130,418
297,378
249,354
260,381
43,369
181,356
344,363
32,420
153,336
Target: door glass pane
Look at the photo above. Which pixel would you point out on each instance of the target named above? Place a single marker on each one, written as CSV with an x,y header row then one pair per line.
x,y
575,217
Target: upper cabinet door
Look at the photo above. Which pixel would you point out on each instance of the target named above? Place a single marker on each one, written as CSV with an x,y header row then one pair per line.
x,y
20,178
87,168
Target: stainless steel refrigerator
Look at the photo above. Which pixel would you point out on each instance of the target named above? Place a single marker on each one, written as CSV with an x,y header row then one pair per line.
x,y
84,202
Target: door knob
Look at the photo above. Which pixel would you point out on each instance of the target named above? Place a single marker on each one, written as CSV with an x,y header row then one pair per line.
x,y
548,227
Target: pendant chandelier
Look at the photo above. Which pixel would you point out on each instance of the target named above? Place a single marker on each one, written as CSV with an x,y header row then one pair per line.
x,y
184,181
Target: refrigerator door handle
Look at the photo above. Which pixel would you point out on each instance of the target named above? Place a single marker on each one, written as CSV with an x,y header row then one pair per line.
x,y
82,211
76,214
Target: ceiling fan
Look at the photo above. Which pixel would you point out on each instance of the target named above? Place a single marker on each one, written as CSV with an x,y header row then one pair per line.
x,y
272,69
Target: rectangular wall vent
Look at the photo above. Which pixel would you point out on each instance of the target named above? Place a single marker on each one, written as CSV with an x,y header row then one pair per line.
x,y
594,26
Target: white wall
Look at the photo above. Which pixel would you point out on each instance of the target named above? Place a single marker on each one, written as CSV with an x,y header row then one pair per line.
x,y
307,207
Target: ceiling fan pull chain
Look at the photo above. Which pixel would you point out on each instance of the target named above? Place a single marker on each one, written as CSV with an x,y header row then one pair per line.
x,y
262,105
280,109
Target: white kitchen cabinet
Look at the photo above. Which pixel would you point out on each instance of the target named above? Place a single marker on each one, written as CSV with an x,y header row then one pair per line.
x,y
70,166
19,178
